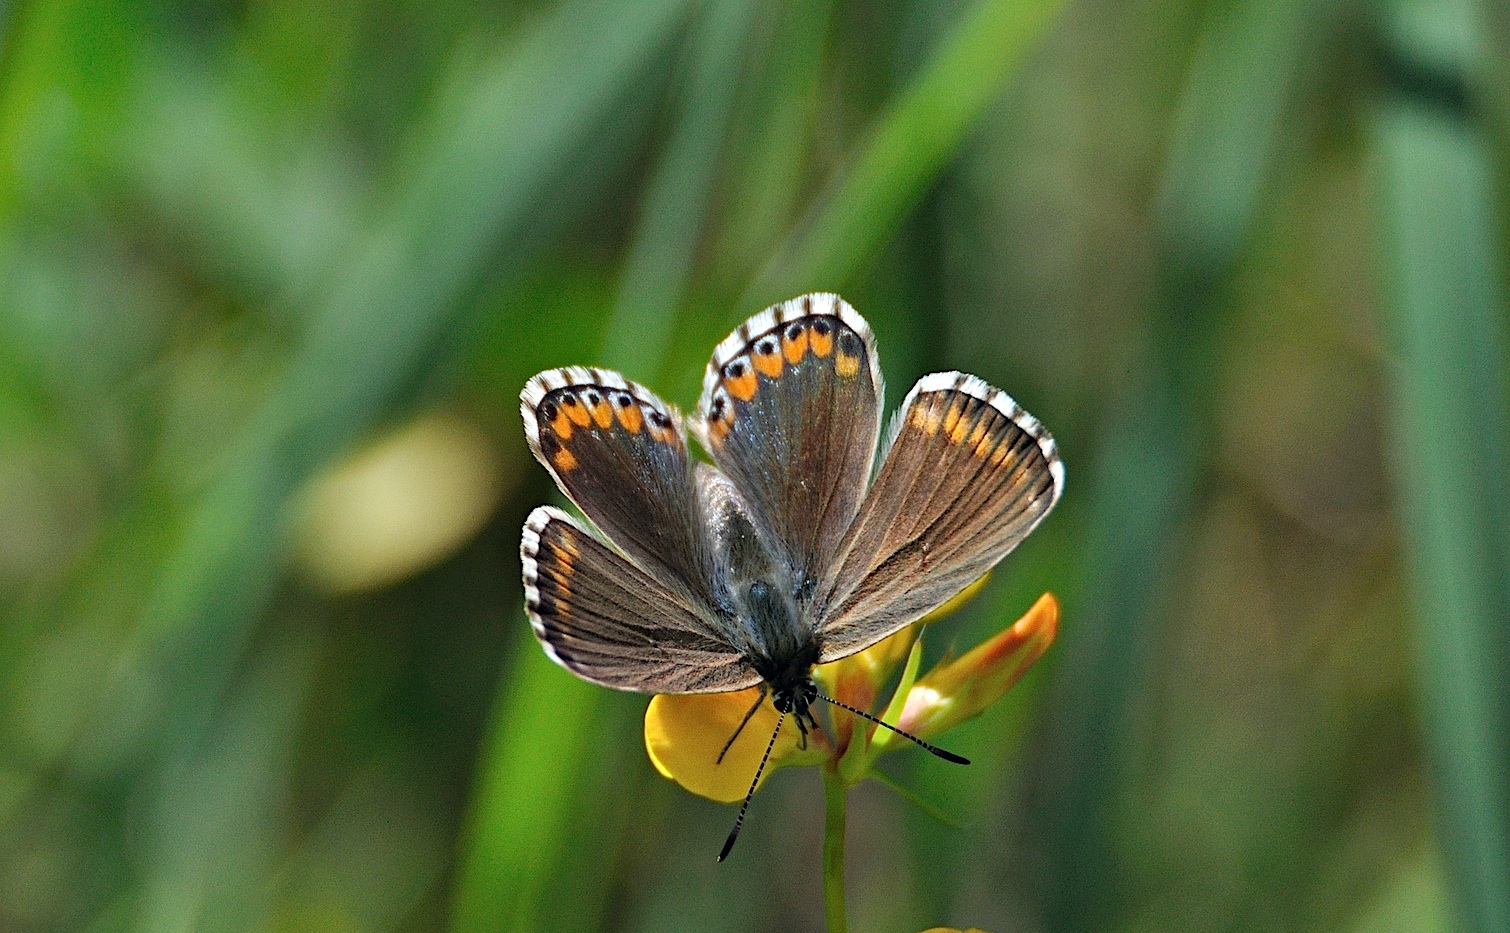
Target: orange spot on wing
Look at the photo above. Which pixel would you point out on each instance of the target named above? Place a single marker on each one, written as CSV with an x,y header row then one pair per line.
x,y
823,344
561,569
666,434
565,460
925,418
769,364
961,428
602,413
631,419
561,425
952,419
846,366
795,349
743,386
576,411
984,445
1000,454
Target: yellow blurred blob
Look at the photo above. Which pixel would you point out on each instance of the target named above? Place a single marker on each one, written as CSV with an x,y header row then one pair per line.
x,y
402,504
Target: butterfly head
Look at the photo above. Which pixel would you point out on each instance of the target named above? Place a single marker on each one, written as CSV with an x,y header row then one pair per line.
x,y
796,698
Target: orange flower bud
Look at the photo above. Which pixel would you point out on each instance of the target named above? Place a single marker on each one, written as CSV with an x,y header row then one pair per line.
x,y
960,689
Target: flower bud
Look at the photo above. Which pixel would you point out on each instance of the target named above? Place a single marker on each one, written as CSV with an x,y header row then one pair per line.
x,y
962,688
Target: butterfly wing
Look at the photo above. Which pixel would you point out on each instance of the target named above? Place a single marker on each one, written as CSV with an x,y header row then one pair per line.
x,y
967,475
790,412
620,454
607,621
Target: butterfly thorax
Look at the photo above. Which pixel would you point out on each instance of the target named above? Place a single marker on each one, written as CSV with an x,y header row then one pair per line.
x,y
765,613
781,648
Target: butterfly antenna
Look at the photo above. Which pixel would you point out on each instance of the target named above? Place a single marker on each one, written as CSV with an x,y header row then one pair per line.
x,y
739,820
742,723
947,756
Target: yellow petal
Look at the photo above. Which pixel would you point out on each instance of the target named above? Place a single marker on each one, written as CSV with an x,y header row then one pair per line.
x,y
960,689
683,735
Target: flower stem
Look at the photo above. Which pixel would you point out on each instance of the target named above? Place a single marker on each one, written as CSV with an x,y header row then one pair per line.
x,y
834,792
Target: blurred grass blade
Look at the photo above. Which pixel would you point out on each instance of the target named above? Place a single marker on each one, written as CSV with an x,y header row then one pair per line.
x,y
1219,170
261,229
530,852
913,142
763,192
530,772
664,251
228,800
1440,251
481,178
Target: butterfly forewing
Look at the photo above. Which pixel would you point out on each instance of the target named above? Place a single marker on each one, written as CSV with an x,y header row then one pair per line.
x,y
791,412
967,475
620,454
609,622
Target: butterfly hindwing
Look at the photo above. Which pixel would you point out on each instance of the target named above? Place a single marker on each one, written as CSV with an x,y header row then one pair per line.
x,y
604,619
620,454
791,412
967,475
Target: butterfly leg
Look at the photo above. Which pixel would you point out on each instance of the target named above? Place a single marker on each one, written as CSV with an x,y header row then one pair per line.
x,y
806,722
742,723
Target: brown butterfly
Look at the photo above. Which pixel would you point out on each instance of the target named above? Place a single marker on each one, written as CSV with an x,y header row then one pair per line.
x,y
784,553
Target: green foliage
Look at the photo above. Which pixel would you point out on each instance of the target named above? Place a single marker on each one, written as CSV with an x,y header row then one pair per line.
x,y
1243,258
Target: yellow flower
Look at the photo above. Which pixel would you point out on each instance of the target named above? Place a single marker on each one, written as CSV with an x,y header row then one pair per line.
x,y
685,734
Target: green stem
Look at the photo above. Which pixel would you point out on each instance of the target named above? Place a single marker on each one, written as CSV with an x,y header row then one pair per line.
x,y
834,791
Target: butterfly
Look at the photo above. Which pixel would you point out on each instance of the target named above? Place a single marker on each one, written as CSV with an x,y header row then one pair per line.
x,y
784,552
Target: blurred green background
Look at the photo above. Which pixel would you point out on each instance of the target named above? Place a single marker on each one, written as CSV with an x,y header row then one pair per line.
x,y
272,274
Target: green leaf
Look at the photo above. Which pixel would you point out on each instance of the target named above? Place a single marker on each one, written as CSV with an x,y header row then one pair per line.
x,y
1439,253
